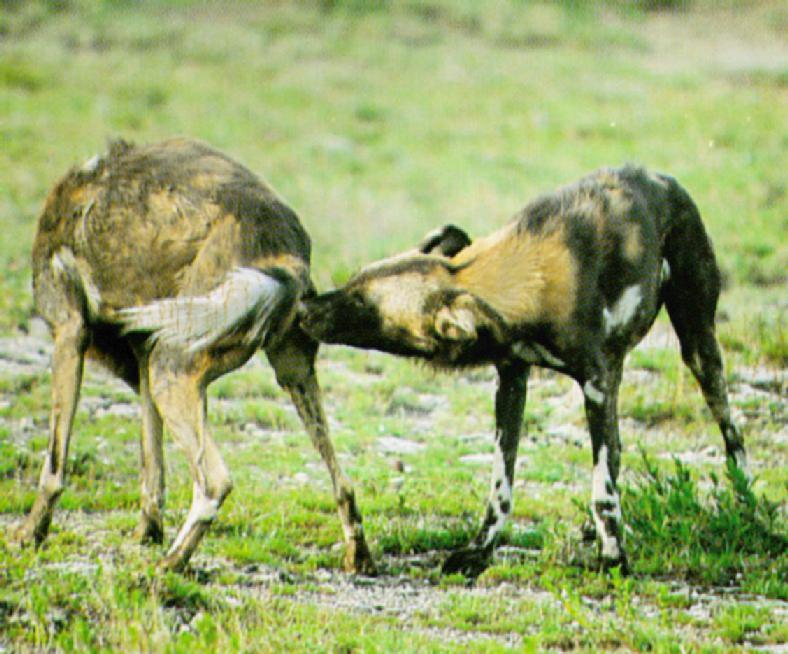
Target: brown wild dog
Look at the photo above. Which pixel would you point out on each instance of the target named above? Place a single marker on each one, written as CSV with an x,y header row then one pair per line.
x,y
172,264
572,283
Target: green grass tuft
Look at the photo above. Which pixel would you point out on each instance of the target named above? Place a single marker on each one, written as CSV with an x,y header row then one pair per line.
x,y
713,537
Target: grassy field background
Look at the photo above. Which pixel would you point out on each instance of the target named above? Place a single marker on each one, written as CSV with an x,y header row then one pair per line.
x,y
378,122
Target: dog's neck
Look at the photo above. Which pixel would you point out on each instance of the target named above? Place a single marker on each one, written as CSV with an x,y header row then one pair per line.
x,y
525,277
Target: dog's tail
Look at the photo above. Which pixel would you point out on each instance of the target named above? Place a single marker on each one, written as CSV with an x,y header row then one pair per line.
x,y
693,275
692,282
249,303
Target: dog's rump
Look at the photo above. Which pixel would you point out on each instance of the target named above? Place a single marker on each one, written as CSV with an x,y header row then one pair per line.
x,y
157,221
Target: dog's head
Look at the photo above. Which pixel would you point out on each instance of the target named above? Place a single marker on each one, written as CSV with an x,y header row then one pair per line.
x,y
408,304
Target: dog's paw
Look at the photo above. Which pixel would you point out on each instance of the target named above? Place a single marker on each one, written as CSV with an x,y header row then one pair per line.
x,y
469,562
148,532
27,534
358,560
619,562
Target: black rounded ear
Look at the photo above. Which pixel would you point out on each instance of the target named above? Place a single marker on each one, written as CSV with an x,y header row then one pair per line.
x,y
447,241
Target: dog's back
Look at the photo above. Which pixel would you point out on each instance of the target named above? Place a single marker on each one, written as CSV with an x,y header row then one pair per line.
x,y
600,251
164,219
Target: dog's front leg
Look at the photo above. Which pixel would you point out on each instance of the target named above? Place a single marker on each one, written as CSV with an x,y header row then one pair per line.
x,y
509,405
601,399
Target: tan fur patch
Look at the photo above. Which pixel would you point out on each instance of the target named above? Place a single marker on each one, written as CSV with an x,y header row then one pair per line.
x,y
525,277
485,244
632,244
287,261
618,201
584,202
79,195
218,253
607,177
204,181
164,203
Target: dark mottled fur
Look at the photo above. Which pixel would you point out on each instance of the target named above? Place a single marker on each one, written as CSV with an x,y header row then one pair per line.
x,y
572,283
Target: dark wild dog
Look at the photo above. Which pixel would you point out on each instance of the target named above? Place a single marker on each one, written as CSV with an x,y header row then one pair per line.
x,y
572,283
172,264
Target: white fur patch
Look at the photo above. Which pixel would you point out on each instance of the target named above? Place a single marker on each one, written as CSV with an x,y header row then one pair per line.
x,y
601,479
610,549
499,469
654,177
593,393
665,271
601,482
198,322
499,493
91,164
624,309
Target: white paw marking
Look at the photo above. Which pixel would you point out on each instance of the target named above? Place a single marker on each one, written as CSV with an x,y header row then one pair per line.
x,y
600,485
610,548
500,492
50,482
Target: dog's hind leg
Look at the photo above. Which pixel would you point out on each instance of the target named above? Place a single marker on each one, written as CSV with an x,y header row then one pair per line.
x,y
293,360
691,295
71,338
509,407
180,397
150,528
701,353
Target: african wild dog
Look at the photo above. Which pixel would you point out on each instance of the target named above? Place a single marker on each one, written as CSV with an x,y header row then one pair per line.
x,y
172,264
572,284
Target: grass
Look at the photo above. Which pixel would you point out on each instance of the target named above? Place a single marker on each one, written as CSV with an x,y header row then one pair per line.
x,y
377,122
727,536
